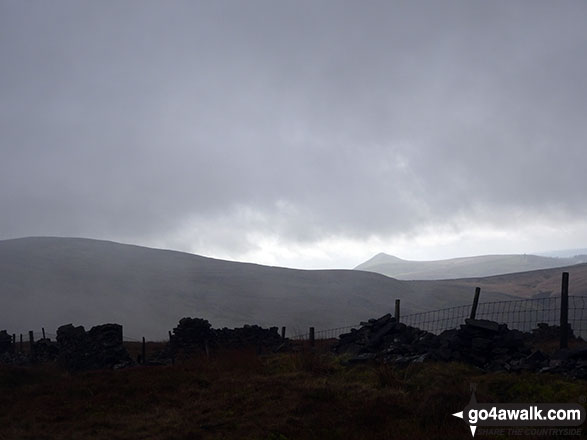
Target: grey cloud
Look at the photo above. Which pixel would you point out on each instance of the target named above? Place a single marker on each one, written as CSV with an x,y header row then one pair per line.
x,y
122,120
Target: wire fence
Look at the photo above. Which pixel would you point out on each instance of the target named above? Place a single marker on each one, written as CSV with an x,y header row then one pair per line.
x,y
524,315
331,333
53,336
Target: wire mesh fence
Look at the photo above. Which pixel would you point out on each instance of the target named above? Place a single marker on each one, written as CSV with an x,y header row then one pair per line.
x,y
331,333
53,336
524,315
436,321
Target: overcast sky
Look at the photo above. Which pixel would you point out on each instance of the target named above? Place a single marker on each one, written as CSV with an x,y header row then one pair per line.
x,y
306,134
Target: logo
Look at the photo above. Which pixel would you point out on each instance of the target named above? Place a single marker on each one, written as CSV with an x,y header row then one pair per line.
x,y
520,414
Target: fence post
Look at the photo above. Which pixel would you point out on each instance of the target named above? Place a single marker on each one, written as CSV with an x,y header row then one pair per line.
x,y
283,333
143,352
396,310
21,343
14,343
43,330
312,338
169,333
475,302
564,342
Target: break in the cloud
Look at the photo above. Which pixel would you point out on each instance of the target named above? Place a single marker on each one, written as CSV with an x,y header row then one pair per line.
x,y
296,133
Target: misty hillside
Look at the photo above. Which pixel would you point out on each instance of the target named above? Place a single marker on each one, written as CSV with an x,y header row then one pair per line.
x,y
467,267
542,283
53,281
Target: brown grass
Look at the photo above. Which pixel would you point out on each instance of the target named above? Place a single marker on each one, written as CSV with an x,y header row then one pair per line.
x,y
240,395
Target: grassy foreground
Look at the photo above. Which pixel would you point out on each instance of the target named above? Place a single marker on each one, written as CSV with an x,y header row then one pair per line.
x,y
239,395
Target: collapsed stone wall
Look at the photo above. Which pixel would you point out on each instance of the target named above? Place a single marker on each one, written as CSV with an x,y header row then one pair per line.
x,y
196,334
75,349
101,347
6,345
485,344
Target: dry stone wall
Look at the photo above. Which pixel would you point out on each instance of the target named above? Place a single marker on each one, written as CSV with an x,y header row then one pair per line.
x,y
485,344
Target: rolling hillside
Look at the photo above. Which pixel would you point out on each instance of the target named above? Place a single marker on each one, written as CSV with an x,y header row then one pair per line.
x,y
467,267
532,284
47,282
52,281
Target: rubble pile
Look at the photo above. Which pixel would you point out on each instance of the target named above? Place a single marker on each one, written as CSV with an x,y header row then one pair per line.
x,y
485,344
544,332
99,348
385,336
569,362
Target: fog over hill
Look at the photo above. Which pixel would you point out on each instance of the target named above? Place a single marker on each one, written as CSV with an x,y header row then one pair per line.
x,y
52,281
47,282
466,267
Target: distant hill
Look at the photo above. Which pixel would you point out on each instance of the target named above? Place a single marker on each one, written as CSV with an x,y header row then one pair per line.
x,y
543,283
466,267
565,253
49,281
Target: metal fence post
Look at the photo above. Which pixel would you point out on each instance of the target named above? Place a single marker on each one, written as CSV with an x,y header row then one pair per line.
x,y
475,302
564,342
396,314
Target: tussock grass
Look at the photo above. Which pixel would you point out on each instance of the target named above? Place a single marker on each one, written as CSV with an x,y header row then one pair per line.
x,y
236,394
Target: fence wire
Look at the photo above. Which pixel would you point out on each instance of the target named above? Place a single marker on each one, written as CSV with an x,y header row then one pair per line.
x,y
524,315
331,333
53,336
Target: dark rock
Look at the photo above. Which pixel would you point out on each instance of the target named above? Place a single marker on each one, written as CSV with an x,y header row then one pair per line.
x,y
6,345
45,350
375,340
545,332
480,344
362,358
483,324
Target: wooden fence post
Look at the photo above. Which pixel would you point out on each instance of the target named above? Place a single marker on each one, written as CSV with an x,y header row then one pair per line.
x,y
564,342
282,333
312,337
43,330
396,310
475,302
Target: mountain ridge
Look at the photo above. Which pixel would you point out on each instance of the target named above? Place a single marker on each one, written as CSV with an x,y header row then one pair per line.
x,y
462,267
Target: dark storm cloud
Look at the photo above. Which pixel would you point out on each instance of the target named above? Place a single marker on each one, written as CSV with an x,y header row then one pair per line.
x,y
128,120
